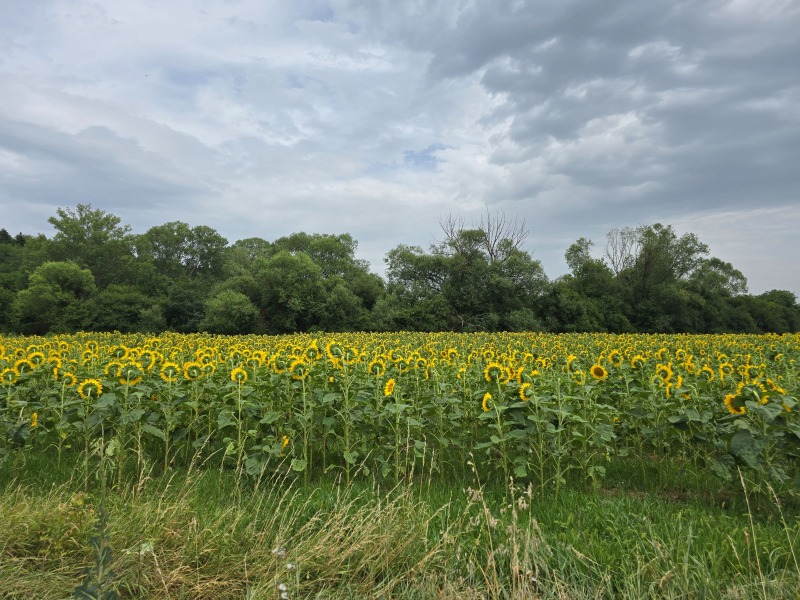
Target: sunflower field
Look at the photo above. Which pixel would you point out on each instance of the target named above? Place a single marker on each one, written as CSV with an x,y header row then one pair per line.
x,y
551,410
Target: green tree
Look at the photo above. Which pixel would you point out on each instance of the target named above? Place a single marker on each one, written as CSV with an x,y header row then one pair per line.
x,y
292,292
178,250
95,240
116,308
54,299
229,313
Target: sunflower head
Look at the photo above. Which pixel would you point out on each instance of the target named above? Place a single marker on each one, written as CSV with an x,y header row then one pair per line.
x,y
130,374
239,375
487,397
495,372
169,372
193,370
388,389
735,404
377,367
598,372
90,388
299,369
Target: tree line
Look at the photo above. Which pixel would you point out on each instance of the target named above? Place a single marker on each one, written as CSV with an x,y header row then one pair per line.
x,y
93,274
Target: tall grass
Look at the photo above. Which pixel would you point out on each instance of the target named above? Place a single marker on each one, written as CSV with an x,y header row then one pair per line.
x,y
202,533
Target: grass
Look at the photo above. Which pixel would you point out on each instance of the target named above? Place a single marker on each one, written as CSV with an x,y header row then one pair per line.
x,y
650,532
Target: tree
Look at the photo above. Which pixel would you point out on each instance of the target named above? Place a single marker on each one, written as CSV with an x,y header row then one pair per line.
x,y
292,292
622,247
53,300
178,250
116,308
715,277
229,313
496,236
93,239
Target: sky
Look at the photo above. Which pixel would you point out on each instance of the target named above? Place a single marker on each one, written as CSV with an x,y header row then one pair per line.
x,y
378,118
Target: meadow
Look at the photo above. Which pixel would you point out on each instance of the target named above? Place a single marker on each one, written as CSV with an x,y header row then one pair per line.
x,y
405,465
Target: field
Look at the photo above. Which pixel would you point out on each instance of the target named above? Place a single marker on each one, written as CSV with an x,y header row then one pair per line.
x,y
400,465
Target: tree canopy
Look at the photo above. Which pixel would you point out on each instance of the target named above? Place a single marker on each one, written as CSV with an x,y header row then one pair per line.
x,y
94,274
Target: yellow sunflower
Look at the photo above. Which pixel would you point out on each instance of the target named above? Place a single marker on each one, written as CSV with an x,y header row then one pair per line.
x,y
169,372
89,388
388,389
239,375
598,372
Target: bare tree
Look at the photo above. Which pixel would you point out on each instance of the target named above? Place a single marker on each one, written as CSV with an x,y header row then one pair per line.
x,y
502,235
622,248
495,235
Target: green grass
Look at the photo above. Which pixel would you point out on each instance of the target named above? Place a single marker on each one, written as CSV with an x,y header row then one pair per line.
x,y
650,532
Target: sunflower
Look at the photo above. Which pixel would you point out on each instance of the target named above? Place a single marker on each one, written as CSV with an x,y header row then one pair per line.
x,y
9,376
734,404
299,369
130,374
377,367
570,359
34,420
598,372
485,404
707,372
775,387
312,351
89,387
36,359
725,370
579,377
495,372
169,372
638,361
113,368
23,366
68,379
526,391
664,372
615,358
388,389
193,370
239,375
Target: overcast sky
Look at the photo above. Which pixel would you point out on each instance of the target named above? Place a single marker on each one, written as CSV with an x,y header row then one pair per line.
x,y
381,118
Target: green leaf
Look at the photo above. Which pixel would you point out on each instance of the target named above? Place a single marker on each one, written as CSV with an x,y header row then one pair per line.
x,y
299,465
154,431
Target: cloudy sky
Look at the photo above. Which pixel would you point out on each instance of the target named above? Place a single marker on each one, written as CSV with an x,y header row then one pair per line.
x,y
380,118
